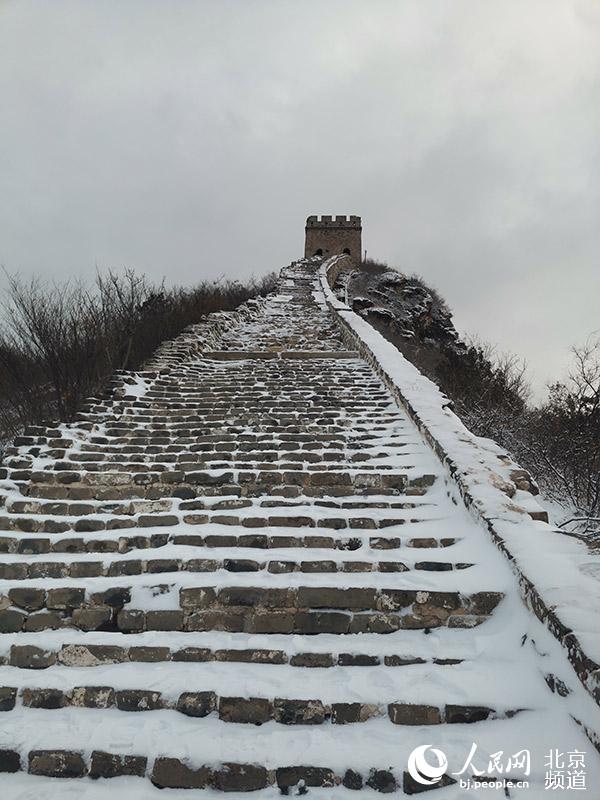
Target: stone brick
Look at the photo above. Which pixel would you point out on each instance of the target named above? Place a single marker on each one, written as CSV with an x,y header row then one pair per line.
x,y
321,622
93,696
164,620
382,780
254,710
312,660
456,713
241,565
400,661
197,704
8,696
65,598
154,520
193,654
194,598
326,597
287,777
10,761
91,655
43,620
131,621
85,569
11,620
138,700
44,698
252,656
57,764
352,780
115,597
412,714
358,660
30,657
240,778
281,567
215,621
149,654
269,622
92,619
484,602
318,566
299,712
29,599
130,567
112,765
171,773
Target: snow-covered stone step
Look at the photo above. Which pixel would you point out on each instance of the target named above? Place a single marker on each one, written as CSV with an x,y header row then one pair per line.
x,y
167,750
280,563
254,609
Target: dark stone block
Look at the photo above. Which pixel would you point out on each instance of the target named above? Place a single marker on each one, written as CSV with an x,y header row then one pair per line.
x,y
66,598
253,710
352,780
358,660
456,713
240,778
11,620
194,654
30,657
164,620
28,599
10,761
382,780
44,698
299,712
287,777
112,765
138,700
197,704
8,696
412,714
149,654
312,660
171,773
93,696
57,764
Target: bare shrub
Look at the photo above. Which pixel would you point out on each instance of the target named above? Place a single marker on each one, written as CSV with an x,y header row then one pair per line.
x,y
60,343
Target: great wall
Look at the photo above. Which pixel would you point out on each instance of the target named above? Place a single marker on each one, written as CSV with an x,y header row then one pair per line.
x,y
275,561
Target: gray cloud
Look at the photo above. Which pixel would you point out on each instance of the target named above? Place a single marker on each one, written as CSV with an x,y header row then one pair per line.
x,y
190,138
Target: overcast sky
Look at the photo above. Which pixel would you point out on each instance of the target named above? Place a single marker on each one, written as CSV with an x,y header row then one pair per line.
x,y
191,138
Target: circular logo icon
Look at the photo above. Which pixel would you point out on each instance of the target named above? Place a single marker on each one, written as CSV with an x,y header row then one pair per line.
x,y
421,770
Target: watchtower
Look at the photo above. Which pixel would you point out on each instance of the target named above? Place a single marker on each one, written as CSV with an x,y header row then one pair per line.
x,y
327,236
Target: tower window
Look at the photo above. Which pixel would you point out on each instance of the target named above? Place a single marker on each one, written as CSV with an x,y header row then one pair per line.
x,y
319,252
346,251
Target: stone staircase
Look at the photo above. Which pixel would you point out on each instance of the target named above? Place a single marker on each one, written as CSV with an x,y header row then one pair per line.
x,y
243,569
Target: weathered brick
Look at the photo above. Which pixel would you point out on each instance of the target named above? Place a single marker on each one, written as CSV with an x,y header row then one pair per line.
x,y
299,712
171,773
30,657
8,696
240,778
112,765
197,704
413,714
27,598
138,700
93,696
57,764
254,710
